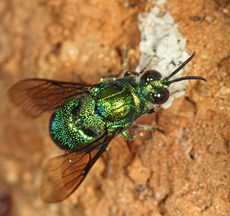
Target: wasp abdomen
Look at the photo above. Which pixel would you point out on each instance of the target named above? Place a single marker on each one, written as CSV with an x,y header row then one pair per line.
x,y
76,124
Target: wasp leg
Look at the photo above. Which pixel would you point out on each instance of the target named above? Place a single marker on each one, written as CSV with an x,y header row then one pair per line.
x,y
147,65
107,164
150,111
77,77
127,73
121,70
126,135
147,127
142,127
177,91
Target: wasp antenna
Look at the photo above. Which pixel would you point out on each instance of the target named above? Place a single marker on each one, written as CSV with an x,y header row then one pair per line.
x,y
186,78
181,66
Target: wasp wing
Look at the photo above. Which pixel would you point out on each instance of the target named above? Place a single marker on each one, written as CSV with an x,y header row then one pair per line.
x,y
35,96
62,175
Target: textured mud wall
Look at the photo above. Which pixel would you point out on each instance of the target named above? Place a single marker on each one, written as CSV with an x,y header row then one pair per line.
x,y
183,172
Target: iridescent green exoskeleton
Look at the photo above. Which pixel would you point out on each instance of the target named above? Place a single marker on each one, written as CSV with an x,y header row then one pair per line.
x,y
87,117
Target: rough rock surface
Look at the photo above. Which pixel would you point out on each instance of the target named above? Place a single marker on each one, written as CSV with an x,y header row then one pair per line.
x,y
185,171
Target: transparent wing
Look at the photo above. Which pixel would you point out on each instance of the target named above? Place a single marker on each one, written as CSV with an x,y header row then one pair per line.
x,y
35,96
63,174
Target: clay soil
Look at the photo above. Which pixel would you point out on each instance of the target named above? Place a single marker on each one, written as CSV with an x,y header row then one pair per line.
x,y
184,171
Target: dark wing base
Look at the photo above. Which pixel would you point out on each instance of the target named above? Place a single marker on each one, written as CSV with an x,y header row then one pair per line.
x,y
35,96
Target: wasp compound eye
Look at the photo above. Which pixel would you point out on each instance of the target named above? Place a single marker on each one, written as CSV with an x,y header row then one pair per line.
x,y
151,75
161,96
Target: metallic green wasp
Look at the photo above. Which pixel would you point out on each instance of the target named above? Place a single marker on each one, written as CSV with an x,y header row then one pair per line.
x,y
87,117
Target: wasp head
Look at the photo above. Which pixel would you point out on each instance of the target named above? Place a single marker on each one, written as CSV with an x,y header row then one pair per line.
x,y
155,88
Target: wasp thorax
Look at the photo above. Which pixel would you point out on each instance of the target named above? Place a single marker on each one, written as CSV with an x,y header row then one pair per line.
x,y
152,87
